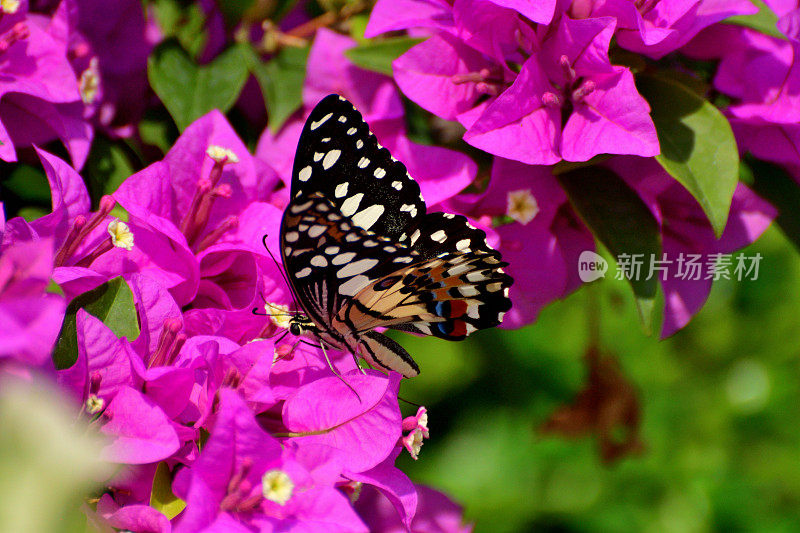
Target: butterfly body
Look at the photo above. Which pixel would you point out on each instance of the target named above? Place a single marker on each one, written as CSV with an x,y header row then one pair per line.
x,y
361,252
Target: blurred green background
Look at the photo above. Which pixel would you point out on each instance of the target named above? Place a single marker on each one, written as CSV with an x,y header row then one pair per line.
x,y
719,405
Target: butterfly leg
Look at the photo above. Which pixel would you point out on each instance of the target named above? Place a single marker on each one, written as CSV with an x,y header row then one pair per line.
x,y
336,372
356,356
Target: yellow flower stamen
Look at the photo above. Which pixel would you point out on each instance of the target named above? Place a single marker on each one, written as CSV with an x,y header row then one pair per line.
x,y
221,155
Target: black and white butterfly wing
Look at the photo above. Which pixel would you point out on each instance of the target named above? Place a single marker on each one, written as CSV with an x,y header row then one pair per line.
x,y
361,252
340,158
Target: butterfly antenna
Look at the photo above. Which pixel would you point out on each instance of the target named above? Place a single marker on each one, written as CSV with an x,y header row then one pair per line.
x,y
278,265
336,372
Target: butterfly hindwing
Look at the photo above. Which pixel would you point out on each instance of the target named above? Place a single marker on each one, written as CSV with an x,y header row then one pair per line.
x,y
454,286
340,158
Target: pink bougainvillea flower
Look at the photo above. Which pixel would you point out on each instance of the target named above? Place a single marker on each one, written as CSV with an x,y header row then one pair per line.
x,y
194,197
139,430
543,240
458,86
765,75
369,423
30,318
571,75
117,34
441,173
686,230
393,484
244,475
436,513
656,28
40,98
135,518
105,364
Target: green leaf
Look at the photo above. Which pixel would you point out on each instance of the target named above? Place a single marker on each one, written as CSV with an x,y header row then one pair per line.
x,y
697,145
162,499
111,302
281,81
189,90
156,129
183,21
776,186
29,184
622,222
378,55
54,288
234,10
765,21
107,167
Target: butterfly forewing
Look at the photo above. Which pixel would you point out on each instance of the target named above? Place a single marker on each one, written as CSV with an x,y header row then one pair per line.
x,y
361,252
339,157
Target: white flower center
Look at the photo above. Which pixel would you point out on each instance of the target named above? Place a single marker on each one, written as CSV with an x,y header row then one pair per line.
x,y
93,404
121,234
522,206
277,486
278,314
9,6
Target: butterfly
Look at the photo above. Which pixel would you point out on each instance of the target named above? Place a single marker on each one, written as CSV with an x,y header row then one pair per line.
x,y
361,252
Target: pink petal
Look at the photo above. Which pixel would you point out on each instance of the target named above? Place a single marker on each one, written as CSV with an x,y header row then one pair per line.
x,y
140,432
425,75
613,119
367,430
516,125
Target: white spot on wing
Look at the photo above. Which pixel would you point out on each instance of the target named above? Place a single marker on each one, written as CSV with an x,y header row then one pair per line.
x,y
303,272
351,131
402,259
463,245
475,277
304,173
439,236
320,122
330,250
316,231
457,270
319,261
291,236
368,216
468,290
318,156
363,162
296,209
343,258
342,118
341,189
331,158
357,267
353,285
350,206
379,173
359,144
411,209
397,185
